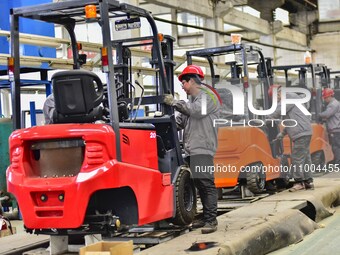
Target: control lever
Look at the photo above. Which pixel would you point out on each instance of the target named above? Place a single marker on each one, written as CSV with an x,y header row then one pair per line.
x,y
140,98
133,97
119,86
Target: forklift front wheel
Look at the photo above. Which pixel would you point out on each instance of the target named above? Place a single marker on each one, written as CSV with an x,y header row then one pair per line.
x,y
256,178
283,181
220,193
186,200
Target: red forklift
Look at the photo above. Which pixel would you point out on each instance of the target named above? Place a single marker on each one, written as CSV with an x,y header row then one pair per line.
x,y
248,155
99,165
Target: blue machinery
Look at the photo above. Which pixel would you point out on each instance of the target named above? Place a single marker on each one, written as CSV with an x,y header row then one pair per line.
x,y
30,27
24,83
6,125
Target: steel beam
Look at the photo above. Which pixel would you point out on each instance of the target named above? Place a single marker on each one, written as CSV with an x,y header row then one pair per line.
x,y
190,40
291,35
328,27
155,9
247,21
239,2
198,7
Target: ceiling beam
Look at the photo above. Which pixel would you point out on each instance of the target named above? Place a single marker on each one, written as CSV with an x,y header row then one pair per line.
x,y
247,21
190,40
239,2
155,9
328,27
234,17
251,23
198,7
292,35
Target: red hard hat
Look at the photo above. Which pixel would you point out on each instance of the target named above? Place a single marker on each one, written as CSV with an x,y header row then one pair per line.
x,y
192,69
327,93
270,90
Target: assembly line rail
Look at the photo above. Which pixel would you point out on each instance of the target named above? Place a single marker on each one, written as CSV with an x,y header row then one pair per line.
x,y
143,237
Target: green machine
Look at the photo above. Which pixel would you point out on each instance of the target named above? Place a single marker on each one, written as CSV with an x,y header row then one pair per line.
x,y
6,128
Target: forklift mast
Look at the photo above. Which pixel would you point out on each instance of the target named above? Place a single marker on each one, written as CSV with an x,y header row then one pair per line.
x,y
235,72
124,73
335,78
70,13
336,82
239,70
325,77
269,70
314,70
302,77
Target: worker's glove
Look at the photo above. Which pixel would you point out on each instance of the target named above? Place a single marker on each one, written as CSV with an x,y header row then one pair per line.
x,y
6,197
169,99
256,123
280,136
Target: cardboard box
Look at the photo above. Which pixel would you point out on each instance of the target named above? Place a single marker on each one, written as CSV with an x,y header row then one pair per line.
x,y
108,248
7,232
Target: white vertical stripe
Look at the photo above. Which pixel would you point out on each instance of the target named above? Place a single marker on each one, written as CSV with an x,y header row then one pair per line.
x,y
204,104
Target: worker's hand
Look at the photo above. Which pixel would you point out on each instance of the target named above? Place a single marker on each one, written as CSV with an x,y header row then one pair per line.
x,y
169,99
271,122
6,197
256,123
280,136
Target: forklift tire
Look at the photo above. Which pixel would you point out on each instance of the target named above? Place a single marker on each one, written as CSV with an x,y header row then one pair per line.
x,y
220,193
186,200
256,178
284,181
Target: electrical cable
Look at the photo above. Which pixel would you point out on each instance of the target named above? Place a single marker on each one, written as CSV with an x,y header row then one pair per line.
x,y
226,33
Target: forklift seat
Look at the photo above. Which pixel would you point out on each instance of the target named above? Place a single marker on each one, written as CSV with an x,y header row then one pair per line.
x,y
337,94
160,147
78,95
166,158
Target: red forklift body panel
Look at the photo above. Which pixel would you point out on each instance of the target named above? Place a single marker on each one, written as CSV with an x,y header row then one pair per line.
x,y
139,147
51,201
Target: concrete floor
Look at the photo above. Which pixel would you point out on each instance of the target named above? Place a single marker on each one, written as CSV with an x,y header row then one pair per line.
x,y
19,226
264,226
261,227
322,241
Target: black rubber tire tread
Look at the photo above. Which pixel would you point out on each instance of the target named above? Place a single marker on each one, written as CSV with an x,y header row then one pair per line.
x,y
283,181
184,217
252,181
219,193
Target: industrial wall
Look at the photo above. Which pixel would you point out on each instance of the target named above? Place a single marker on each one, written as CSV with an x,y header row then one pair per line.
x,y
327,50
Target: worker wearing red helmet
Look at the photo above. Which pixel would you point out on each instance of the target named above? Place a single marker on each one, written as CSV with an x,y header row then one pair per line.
x,y
300,135
332,117
200,139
